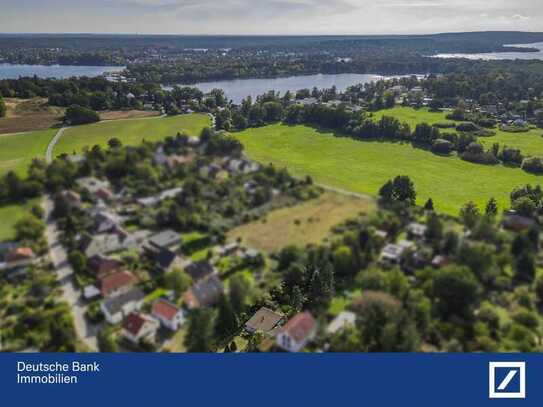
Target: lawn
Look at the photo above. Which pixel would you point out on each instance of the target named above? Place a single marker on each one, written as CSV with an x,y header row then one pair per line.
x,y
130,132
364,166
10,215
530,143
302,224
413,116
18,150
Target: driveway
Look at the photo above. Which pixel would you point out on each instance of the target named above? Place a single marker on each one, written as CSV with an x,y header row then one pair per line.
x,y
86,331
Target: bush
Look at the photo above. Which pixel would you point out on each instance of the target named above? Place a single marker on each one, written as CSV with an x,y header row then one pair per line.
x,y
533,165
467,127
475,153
441,146
511,156
445,125
81,115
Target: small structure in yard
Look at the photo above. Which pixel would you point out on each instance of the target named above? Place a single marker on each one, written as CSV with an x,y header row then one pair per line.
x,y
416,231
204,293
18,257
167,239
92,185
169,315
168,261
344,320
101,266
116,308
440,261
297,332
90,292
71,198
517,223
200,270
266,321
138,327
226,250
117,283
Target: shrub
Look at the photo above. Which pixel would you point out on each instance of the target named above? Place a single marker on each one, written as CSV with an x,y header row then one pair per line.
x,y
441,146
81,115
475,153
533,165
467,127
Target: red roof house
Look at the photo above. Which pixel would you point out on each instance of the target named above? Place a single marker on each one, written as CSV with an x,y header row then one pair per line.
x,y
295,334
117,283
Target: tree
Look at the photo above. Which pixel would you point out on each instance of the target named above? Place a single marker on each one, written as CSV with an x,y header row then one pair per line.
x,y
469,214
29,228
429,205
76,115
199,336
78,261
434,228
239,292
106,340
525,267
455,290
114,143
178,281
227,320
491,209
401,189
3,108
343,261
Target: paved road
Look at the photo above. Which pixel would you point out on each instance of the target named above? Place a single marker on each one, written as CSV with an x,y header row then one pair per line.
x,y
65,275
52,144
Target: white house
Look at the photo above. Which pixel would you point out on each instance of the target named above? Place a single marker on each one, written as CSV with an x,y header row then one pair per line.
x,y
116,308
168,314
297,332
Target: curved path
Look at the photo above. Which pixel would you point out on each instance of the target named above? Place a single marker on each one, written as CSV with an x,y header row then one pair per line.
x,y
60,132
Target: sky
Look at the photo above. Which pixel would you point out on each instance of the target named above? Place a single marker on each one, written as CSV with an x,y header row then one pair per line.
x,y
269,16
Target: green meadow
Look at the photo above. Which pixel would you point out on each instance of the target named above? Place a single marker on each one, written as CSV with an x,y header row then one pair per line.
x,y
364,166
530,143
18,150
130,132
10,215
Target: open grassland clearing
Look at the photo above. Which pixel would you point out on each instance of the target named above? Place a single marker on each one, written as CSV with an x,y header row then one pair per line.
x,y
530,142
130,132
364,166
18,150
127,114
28,115
10,215
302,224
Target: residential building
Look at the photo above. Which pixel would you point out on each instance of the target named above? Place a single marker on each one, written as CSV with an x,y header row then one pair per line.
x,y
200,270
266,321
101,266
204,293
138,327
297,332
116,308
169,315
117,283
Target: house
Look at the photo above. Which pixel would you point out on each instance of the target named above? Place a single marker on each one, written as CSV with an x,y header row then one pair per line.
x,y
174,161
155,200
90,292
160,156
102,244
117,283
200,270
104,194
343,320
167,260
138,327
440,261
416,231
392,254
167,239
5,249
297,332
72,199
92,184
116,308
517,223
105,221
101,266
168,314
226,250
19,257
266,321
204,293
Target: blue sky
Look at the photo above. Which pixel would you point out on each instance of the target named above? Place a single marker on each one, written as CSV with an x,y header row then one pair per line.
x,y
269,16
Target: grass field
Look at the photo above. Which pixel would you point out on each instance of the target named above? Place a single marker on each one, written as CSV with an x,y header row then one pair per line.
x,y
130,132
10,215
364,167
530,143
18,150
302,224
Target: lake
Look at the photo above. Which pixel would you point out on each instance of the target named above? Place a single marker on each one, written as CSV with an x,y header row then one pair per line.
x,y
495,56
14,71
238,89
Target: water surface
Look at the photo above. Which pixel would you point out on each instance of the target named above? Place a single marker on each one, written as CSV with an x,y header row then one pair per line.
x,y
496,56
14,71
